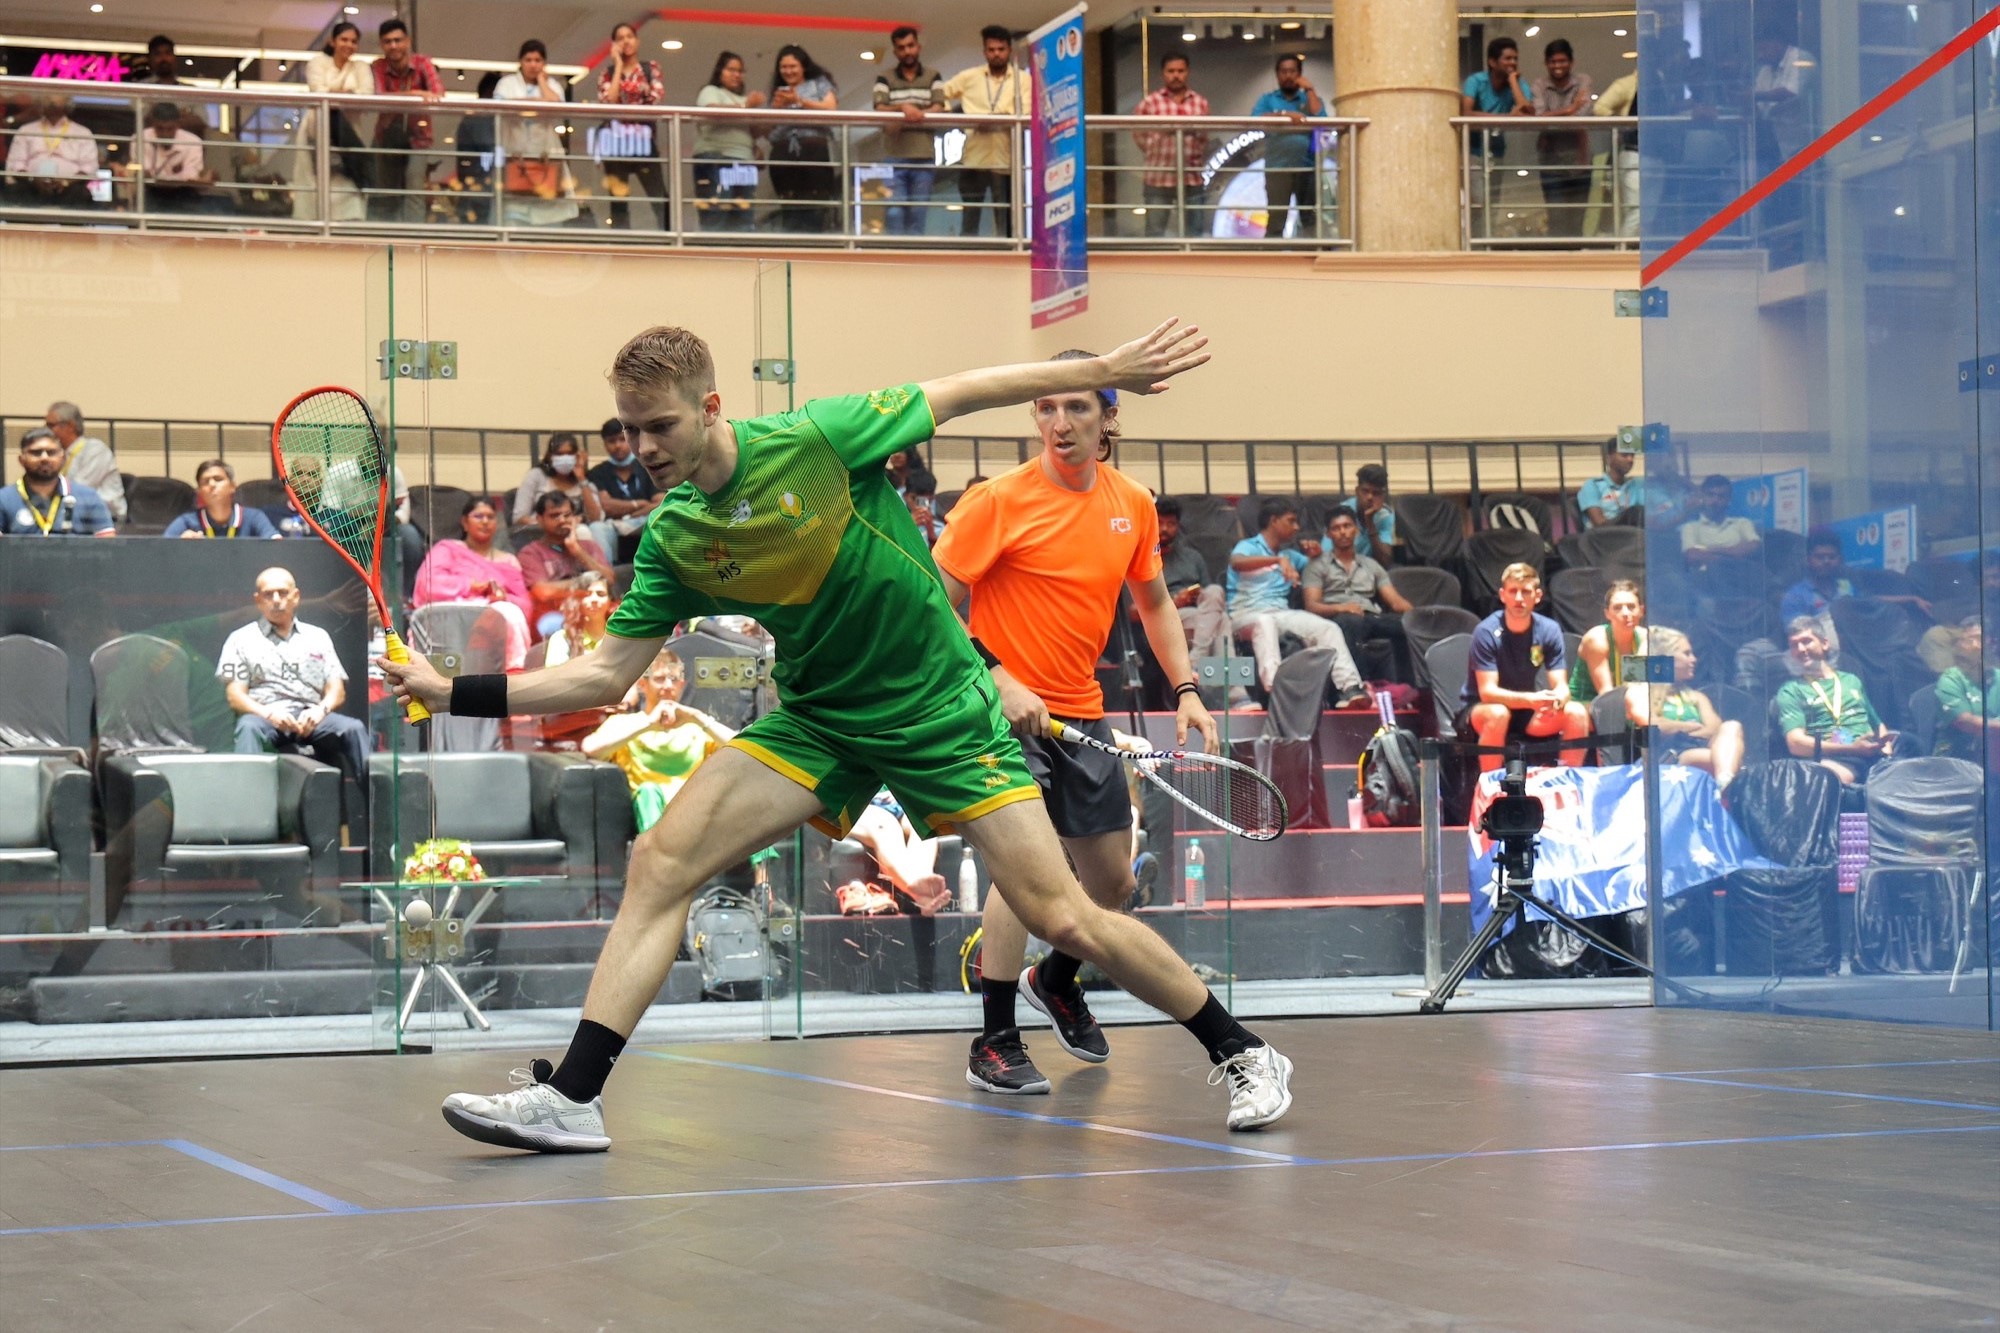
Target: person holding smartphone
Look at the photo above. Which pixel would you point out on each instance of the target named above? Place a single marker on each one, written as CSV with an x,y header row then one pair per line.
x,y
1825,714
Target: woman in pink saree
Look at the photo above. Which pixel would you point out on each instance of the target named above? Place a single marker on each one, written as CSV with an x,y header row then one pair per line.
x,y
473,572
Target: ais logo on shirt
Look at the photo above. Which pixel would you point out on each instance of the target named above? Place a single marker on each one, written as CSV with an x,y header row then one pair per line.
x,y
720,562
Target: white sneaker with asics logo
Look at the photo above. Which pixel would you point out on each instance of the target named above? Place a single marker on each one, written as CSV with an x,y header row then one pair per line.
x,y
534,1116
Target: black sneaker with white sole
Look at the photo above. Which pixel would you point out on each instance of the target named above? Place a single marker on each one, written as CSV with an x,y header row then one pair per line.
x,y
999,1063
1075,1026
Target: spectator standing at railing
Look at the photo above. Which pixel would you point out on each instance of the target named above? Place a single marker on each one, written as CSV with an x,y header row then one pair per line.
x,y
985,168
802,174
1609,494
1563,91
478,159
1173,161
216,513
43,502
162,63
628,149
88,461
401,140
1496,90
913,92
52,158
1288,156
174,163
539,191
335,70
725,170
1621,98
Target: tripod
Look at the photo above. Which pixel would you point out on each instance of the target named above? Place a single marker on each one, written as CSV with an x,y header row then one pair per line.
x,y
1513,820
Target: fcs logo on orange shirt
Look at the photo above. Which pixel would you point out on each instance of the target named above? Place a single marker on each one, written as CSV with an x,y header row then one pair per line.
x,y
1120,523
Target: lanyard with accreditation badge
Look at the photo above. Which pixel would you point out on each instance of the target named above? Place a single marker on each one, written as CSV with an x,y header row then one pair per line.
x,y
1832,705
56,504
235,522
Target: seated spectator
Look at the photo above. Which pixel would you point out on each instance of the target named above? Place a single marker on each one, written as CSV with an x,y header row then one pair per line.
x,y
1604,497
901,464
1204,613
1262,572
586,612
562,470
1712,534
1370,503
1515,687
1826,582
471,570
1356,594
46,503
659,741
1691,731
53,159
285,682
907,859
553,563
217,514
1825,714
1968,699
920,494
1600,656
175,165
1939,645
87,461
624,488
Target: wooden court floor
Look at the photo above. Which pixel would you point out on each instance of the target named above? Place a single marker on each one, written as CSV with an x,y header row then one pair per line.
x,y
1613,1169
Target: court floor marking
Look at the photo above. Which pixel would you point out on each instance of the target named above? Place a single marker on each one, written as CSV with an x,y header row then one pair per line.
x,y
326,1203
1394,1159
1985,1107
984,1108
1808,1069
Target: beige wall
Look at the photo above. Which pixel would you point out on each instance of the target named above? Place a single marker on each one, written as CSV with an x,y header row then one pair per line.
x,y
1350,347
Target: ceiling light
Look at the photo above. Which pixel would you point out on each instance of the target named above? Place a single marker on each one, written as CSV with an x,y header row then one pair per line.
x,y
1874,138
1249,35
447,138
1522,172
670,45
1532,29
1901,211
351,9
1138,212
1618,32
867,55
188,61
1291,25
461,76
281,67
97,9
1630,55
1188,35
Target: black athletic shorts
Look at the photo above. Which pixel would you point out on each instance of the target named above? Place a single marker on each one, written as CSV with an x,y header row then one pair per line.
x,y
1517,724
1083,787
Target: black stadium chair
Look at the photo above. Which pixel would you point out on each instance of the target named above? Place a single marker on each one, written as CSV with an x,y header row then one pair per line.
x,y
1432,529
266,493
1208,524
435,510
1422,585
1618,550
1576,598
153,502
1517,509
1487,556
1446,666
34,705
142,696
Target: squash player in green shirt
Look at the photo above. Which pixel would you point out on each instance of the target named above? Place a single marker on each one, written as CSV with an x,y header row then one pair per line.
x,y
790,519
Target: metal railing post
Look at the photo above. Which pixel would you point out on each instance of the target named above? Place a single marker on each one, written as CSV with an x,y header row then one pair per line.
x,y
1432,842
849,208
323,166
1465,187
1180,185
672,205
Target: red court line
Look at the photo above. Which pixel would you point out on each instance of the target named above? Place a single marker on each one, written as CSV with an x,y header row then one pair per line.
x,y
1821,146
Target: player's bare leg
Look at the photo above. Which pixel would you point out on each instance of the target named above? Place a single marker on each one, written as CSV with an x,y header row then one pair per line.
x,y
1025,857
731,807
1104,865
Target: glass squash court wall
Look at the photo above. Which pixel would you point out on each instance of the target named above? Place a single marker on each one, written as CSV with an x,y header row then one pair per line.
x,y
1829,355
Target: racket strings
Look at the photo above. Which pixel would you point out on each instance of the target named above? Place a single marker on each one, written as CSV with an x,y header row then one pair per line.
x,y
1237,796
333,464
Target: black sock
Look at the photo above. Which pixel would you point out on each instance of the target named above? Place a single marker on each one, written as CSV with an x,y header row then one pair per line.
x,y
1058,972
587,1064
997,998
1214,1027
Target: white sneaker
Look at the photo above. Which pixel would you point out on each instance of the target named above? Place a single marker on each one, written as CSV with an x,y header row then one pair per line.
x,y
534,1116
1260,1086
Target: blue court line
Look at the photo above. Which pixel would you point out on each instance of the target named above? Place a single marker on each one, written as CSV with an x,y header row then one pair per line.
x,y
1011,1113
1826,1092
303,1193
862,1186
1808,1069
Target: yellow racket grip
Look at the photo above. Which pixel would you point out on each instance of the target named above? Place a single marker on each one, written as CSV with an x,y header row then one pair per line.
x,y
413,709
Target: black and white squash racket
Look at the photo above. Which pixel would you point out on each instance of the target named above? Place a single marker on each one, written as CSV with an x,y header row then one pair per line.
x,y
1228,794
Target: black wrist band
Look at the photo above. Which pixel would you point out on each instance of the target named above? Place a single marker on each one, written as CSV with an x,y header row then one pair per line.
x,y
986,654
479,696
1186,687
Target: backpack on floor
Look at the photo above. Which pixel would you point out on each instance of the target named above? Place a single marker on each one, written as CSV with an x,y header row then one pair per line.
x,y
726,937
1387,777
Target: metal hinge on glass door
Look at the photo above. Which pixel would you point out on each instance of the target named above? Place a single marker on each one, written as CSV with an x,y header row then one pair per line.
x,y
414,359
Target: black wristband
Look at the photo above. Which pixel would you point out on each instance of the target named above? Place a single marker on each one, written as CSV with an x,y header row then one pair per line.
x,y
1186,687
986,655
479,696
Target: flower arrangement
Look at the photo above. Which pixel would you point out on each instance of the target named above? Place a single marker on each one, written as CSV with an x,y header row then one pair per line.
x,y
443,861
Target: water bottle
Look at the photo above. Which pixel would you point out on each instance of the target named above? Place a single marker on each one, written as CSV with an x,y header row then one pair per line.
x,y
968,883
1357,813
1196,891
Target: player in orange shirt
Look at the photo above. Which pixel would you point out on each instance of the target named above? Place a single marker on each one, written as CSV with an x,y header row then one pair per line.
x,y
1046,549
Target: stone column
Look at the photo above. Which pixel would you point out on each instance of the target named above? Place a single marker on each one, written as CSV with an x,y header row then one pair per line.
x,y
1396,63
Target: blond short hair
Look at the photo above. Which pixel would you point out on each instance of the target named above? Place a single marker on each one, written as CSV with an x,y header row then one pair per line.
x,y
1665,641
1520,572
665,356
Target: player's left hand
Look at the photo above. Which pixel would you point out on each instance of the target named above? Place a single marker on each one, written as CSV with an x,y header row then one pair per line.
x,y
1145,364
417,679
1193,715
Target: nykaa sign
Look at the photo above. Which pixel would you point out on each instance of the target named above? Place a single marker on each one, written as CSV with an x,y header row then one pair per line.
x,y
81,66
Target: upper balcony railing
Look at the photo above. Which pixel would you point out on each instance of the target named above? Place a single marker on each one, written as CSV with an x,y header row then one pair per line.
x,y
1549,182
347,165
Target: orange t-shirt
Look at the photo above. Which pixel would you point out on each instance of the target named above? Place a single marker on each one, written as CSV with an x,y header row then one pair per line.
x,y
1045,565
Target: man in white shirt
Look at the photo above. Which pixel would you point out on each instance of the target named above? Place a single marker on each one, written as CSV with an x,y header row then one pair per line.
x,y
89,460
51,159
176,169
285,682
985,169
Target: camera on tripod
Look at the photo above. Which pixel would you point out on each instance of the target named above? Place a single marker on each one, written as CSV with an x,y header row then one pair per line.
x,y
1513,820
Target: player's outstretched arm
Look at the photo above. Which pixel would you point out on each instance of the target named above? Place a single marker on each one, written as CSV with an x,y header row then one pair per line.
x,y
597,679
1143,366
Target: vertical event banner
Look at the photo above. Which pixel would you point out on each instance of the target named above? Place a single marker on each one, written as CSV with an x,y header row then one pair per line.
x,y
1773,503
1059,277
1887,540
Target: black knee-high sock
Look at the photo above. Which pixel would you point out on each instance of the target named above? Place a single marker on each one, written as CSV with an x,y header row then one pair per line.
x,y
997,999
1058,972
587,1064
1215,1028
